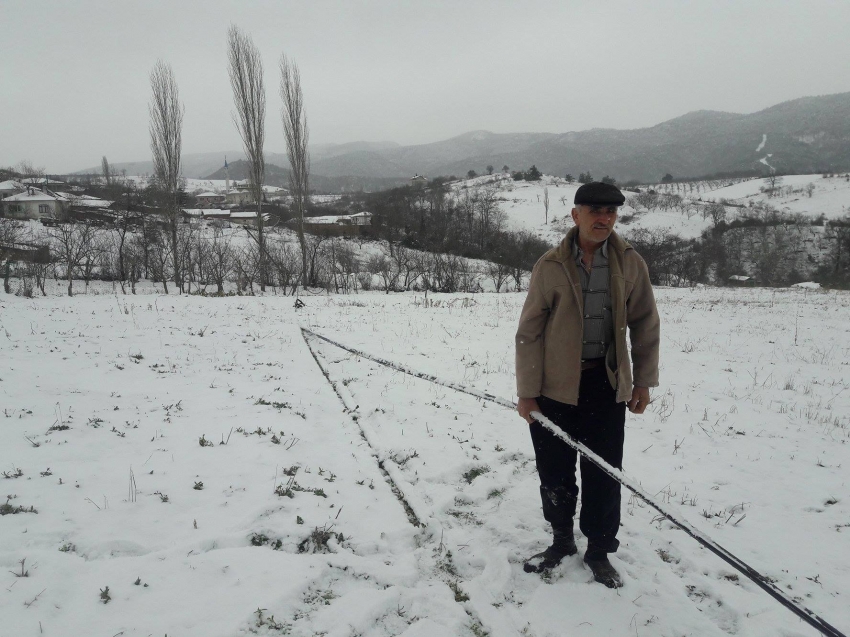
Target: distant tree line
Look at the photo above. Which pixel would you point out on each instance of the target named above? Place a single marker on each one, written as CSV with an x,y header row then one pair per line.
x,y
468,222
774,248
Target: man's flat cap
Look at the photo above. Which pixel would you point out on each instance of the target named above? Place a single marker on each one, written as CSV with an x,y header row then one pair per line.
x,y
597,193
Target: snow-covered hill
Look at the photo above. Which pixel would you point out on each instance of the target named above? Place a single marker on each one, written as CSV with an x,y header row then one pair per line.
x,y
522,201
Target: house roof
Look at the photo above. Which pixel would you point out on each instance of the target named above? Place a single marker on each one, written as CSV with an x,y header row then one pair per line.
x,y
85,201
209,194
331,219
36,195
325,220
246,215
11,184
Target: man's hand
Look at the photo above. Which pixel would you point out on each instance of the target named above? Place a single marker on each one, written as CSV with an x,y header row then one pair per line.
x,y
639,401
525,406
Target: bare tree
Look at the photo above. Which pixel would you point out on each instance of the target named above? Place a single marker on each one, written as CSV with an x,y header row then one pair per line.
x,y
382,265
546,204
490,215
125,215
499,273
221,259
107,172
166,127
285,261
159,255
10,233
74,245
249,97
716,211
26,168
297,136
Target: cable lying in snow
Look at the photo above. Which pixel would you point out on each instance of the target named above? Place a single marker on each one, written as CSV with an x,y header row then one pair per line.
x,y
798,609
416,513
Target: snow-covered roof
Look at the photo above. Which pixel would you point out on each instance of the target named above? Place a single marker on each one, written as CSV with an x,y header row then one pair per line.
x,y
34,195
739,277
329,219
86,201
209,194
247,215
361,214
206,212
11,185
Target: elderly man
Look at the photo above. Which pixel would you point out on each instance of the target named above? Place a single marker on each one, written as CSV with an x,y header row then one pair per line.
x,y
572,365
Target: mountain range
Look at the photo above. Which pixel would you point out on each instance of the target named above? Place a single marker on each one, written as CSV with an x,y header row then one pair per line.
x,y
810,134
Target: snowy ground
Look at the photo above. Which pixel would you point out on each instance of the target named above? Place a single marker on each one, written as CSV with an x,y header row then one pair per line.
x,y
409,515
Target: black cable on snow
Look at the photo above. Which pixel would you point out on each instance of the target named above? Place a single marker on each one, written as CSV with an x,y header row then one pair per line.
x,y
735,562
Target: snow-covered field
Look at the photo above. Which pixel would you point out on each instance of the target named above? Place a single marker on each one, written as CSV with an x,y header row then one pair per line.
x,y
410,514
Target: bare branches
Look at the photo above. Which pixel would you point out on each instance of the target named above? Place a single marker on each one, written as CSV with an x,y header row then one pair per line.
x,y
166,126
245,68
75,244
295,127
26,168
107,172
249,96
297,135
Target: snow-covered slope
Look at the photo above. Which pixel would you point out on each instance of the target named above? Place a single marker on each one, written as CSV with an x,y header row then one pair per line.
x,y
523,205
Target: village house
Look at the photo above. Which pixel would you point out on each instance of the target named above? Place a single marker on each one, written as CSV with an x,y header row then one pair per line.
x,y
9,188
337,224
418,181
238,197
275,193
25,252
248,218
33,204
207,214
242,218
210,199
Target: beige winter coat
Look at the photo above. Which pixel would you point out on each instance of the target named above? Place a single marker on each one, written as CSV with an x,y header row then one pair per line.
x,y
548,341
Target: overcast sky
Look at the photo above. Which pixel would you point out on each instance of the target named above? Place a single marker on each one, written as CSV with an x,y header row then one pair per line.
x,y
74,76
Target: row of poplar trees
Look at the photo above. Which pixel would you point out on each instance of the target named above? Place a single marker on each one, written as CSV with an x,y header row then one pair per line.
x,y
245,68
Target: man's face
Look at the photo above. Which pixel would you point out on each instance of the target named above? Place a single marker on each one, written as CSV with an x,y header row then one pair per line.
x,y
595,223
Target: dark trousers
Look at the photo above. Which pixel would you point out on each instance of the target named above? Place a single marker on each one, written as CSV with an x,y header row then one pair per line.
x,y
598,421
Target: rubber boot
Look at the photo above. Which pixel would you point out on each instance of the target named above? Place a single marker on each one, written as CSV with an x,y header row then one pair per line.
x,y
603,571
563,546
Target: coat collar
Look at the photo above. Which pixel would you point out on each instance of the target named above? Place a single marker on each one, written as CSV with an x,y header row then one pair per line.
x,y
564,251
